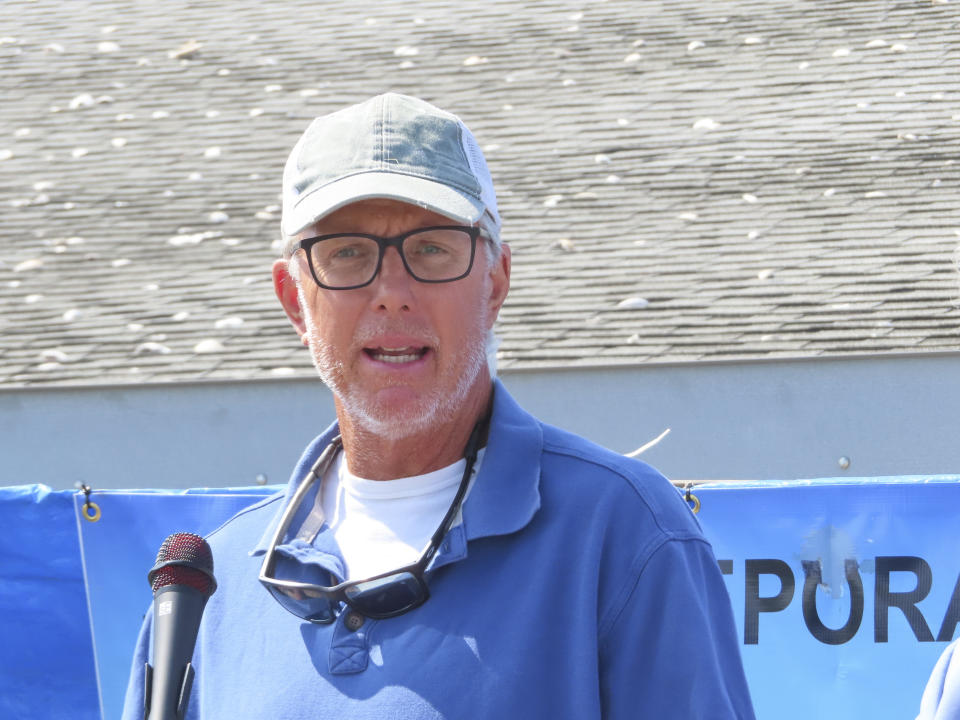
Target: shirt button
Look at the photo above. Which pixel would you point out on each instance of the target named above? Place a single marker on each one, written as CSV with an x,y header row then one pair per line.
x,y
353,620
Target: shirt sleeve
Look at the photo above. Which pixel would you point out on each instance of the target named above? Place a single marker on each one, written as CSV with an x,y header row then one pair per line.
x,y
941,698
672,651
134,700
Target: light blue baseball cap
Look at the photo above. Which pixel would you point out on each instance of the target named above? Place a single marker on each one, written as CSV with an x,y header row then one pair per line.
x,y
390,146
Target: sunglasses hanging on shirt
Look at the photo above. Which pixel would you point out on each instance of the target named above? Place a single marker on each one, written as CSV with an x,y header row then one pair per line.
x,y
382,596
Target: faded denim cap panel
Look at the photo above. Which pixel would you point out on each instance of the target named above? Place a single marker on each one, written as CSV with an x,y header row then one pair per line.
x,y
391,146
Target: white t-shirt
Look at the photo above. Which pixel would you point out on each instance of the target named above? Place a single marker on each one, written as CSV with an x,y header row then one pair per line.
x,y
381,525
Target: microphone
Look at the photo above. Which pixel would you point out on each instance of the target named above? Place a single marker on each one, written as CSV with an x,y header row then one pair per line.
x,y
182,580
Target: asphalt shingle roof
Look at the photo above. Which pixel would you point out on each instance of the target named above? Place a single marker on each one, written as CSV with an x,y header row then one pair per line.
x,y
679,181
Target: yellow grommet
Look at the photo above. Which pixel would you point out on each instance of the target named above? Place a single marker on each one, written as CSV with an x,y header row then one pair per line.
x,y
695,500
95,515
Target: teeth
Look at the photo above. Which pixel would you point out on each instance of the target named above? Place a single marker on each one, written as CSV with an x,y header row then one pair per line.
x,y
397,359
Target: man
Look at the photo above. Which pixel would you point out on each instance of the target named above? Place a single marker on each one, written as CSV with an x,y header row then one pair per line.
x,y
440,553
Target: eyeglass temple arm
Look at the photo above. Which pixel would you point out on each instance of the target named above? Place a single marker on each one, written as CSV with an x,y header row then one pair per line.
x,y
471,457
317,471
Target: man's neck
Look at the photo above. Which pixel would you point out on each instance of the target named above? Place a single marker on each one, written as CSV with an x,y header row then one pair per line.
x,y
372,456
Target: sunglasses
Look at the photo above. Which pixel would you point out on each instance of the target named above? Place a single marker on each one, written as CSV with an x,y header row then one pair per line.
x,y
382,596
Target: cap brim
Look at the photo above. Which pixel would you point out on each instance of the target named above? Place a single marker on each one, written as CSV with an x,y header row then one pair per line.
x,y
428,194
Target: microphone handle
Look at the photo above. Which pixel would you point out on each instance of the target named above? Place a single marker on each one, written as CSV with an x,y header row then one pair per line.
x,y
176,620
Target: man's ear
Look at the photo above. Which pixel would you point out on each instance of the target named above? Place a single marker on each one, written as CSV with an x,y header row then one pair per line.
x,y
286,289
500,285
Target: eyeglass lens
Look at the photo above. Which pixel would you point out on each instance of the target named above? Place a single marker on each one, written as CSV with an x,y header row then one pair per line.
x,y
433,254
382,597
386,596
308,605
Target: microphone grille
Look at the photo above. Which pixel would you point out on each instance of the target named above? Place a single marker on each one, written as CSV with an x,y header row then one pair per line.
x,y
184,559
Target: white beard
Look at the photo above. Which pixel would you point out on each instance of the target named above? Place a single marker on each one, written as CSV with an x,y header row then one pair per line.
x,y
439,406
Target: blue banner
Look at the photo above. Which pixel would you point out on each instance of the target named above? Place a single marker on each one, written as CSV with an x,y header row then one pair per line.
x,y
845,592
119,547
46,656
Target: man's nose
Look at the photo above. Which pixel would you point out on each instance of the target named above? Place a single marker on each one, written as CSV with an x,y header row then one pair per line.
x,y
393,283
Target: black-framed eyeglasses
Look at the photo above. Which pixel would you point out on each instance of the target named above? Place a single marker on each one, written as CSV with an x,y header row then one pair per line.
x,y
381,596
344,261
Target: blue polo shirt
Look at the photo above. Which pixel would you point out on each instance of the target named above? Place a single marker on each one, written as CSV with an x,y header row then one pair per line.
x,y
578,585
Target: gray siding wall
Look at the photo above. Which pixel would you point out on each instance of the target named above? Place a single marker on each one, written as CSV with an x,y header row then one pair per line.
x,y
756,420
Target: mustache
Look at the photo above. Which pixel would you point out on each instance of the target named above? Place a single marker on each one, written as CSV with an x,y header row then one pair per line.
x,y
371,331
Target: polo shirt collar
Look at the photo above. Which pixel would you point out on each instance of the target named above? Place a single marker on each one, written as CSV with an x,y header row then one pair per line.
x,y
506,493
504,497
307,460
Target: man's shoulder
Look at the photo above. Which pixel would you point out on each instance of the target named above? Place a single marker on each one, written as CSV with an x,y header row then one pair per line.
x,y
251,523
523,430
568,444
576,462
247,526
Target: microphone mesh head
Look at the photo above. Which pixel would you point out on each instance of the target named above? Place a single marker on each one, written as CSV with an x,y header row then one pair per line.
x,y
184,559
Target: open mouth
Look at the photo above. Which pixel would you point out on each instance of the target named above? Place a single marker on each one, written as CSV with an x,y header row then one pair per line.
x,y
396,355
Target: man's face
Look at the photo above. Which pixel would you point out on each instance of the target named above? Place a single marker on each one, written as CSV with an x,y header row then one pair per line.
x,y
400,355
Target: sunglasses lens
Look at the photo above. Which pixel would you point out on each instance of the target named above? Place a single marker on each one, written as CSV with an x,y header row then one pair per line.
x,y
304,604
388,595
